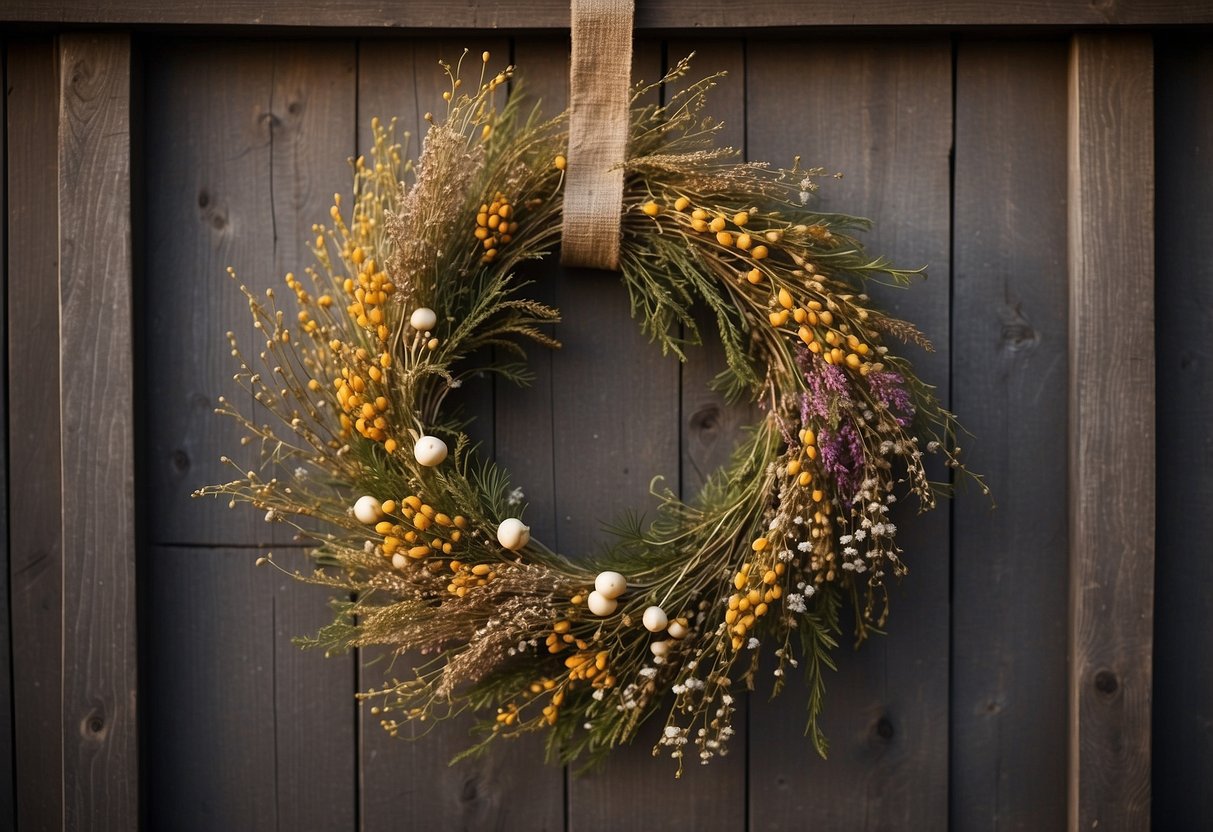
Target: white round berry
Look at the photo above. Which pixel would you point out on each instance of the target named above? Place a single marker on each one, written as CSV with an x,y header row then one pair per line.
x,y
655,619
423,319
367,510
512,534
429,451
599,604
610,584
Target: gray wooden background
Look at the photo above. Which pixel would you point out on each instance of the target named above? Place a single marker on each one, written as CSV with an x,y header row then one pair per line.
x,y
1037,174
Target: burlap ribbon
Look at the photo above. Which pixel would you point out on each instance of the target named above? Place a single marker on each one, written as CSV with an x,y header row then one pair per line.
x,y
600,79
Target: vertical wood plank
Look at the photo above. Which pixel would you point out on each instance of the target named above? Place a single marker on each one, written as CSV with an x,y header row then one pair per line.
x,y
1009,574
8,809
1111,264
1182,736
711,797
210,206
615,412
405,783
247,143
211,766
615,397
313,105
881,112
524,429
36,553
710,427
100,741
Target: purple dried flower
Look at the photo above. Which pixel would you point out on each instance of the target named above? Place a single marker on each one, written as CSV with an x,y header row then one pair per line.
x,y
842,457
826,383
889,389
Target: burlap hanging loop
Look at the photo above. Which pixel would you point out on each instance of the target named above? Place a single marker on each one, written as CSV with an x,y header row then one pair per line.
x,y
600,79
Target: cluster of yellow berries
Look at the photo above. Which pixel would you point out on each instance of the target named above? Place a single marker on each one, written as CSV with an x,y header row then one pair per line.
x,y
507,715
756,590
799,469
431,532
363,410
494,228
560,637
370,291
306,322
552,709
730,231
844,349
834,346
468,577
591,666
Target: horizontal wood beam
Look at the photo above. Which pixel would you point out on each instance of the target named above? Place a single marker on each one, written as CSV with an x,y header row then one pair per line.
x,y
100,744
1112,479
554,14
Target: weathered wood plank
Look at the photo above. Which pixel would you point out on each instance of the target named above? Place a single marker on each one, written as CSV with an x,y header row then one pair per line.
x,y
614,392
1009,363
215,643
1182,748
313,102
210,157
8,808
100,739
406,783
882,113
241,721
616,419
524,428
1111,264
711,797
554,14
35,533
710,427
247,144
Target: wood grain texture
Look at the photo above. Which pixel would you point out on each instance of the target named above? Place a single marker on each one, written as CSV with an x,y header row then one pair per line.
x,y
881,112
712,796
524,426
673,14
1182,736
35,533
215,647
245,730
8,800
253,156
1009,364
710,427
615,417
100,739
247,142
410,784
1111,265
210,205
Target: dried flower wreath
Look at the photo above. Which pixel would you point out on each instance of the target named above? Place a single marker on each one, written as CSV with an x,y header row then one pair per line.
x,y
426,547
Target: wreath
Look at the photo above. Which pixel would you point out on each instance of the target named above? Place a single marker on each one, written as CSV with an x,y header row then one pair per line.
x,y
420,277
